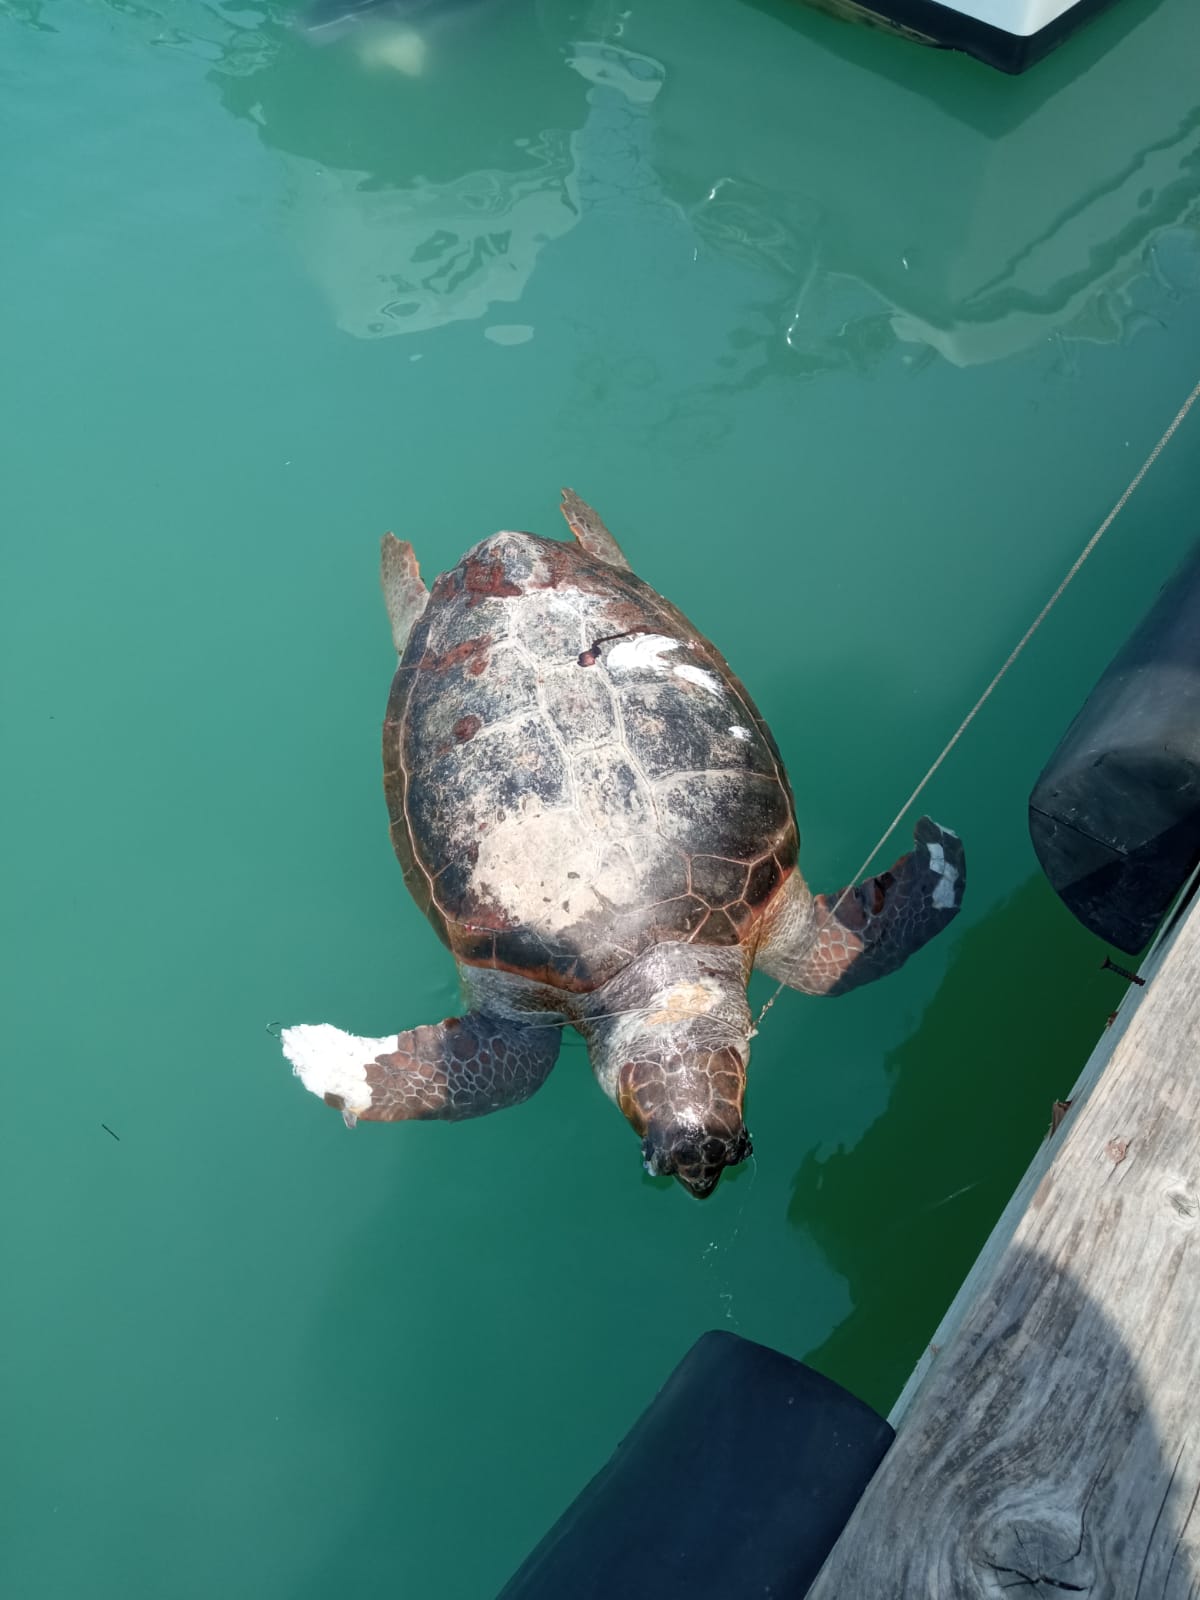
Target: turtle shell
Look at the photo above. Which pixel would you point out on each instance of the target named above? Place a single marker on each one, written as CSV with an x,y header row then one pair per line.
x,y
572,771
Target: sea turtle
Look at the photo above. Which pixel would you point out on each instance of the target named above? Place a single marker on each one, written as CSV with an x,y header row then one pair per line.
x,y
595,818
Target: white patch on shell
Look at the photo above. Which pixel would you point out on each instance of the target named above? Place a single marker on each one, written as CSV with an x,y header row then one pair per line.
x,y
525,861
706,680
641,650
943,895
327,1060
646,650
741,733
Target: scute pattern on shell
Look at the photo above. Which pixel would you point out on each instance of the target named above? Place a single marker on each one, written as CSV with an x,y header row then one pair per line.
x,y
558,802
463,1067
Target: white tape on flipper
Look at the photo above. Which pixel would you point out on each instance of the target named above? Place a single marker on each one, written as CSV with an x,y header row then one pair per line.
x,y
327,1060
943,895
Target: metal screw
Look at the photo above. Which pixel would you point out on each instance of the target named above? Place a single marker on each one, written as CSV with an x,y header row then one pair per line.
x,y
1122,972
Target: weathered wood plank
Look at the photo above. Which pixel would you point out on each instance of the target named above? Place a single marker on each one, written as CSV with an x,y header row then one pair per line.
x,y
1010,1218
1053,1445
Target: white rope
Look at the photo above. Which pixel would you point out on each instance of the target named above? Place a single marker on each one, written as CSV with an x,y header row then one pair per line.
x,y
1012,656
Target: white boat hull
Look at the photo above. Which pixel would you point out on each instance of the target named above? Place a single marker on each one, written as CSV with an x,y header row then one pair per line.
x,y
1008,34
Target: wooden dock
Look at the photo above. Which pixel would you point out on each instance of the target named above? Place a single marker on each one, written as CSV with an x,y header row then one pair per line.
x,y
1049,1440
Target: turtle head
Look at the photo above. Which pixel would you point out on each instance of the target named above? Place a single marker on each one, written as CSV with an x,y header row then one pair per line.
x,y
687,1105
670,1046
694,1155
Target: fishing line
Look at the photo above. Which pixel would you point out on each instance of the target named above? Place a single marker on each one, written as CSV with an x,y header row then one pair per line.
x,y
966,722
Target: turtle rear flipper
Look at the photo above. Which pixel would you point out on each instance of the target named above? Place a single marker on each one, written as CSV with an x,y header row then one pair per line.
x,y
831,943
403,592
588,528
447,1071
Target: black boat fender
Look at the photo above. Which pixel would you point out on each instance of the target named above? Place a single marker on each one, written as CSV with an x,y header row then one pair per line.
x,y
736,1480
1115,815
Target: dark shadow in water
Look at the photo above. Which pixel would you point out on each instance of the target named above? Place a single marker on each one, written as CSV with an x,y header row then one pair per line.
x,y
1046,1467
903,1214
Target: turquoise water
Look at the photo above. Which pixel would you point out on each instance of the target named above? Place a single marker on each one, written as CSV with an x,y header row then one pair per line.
x,y
853,346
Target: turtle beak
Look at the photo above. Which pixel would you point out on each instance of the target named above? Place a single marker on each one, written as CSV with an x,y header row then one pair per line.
x,y
696,1163
699,1188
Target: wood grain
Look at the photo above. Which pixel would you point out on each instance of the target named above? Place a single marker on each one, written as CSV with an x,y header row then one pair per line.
x,y
1049,1443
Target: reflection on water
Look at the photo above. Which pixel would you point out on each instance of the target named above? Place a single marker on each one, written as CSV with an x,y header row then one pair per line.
x,y
957,240
411,259
938,210
1093,273
32,13
954,237
399,35
397,249
410,256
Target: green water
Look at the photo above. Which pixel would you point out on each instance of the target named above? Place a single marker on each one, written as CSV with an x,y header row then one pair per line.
x,y
853,345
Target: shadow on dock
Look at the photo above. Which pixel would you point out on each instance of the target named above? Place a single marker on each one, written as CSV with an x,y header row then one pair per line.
x,y
1044,1472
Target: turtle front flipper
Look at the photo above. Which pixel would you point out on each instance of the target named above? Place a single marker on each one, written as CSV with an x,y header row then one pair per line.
x,y
832,943
587,527
446,1071
403,592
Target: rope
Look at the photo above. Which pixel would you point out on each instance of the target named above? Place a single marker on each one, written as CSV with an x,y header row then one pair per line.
x,y
1012,656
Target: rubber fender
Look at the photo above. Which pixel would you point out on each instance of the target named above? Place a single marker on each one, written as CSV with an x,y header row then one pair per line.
x,y
1115,815
736,1480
